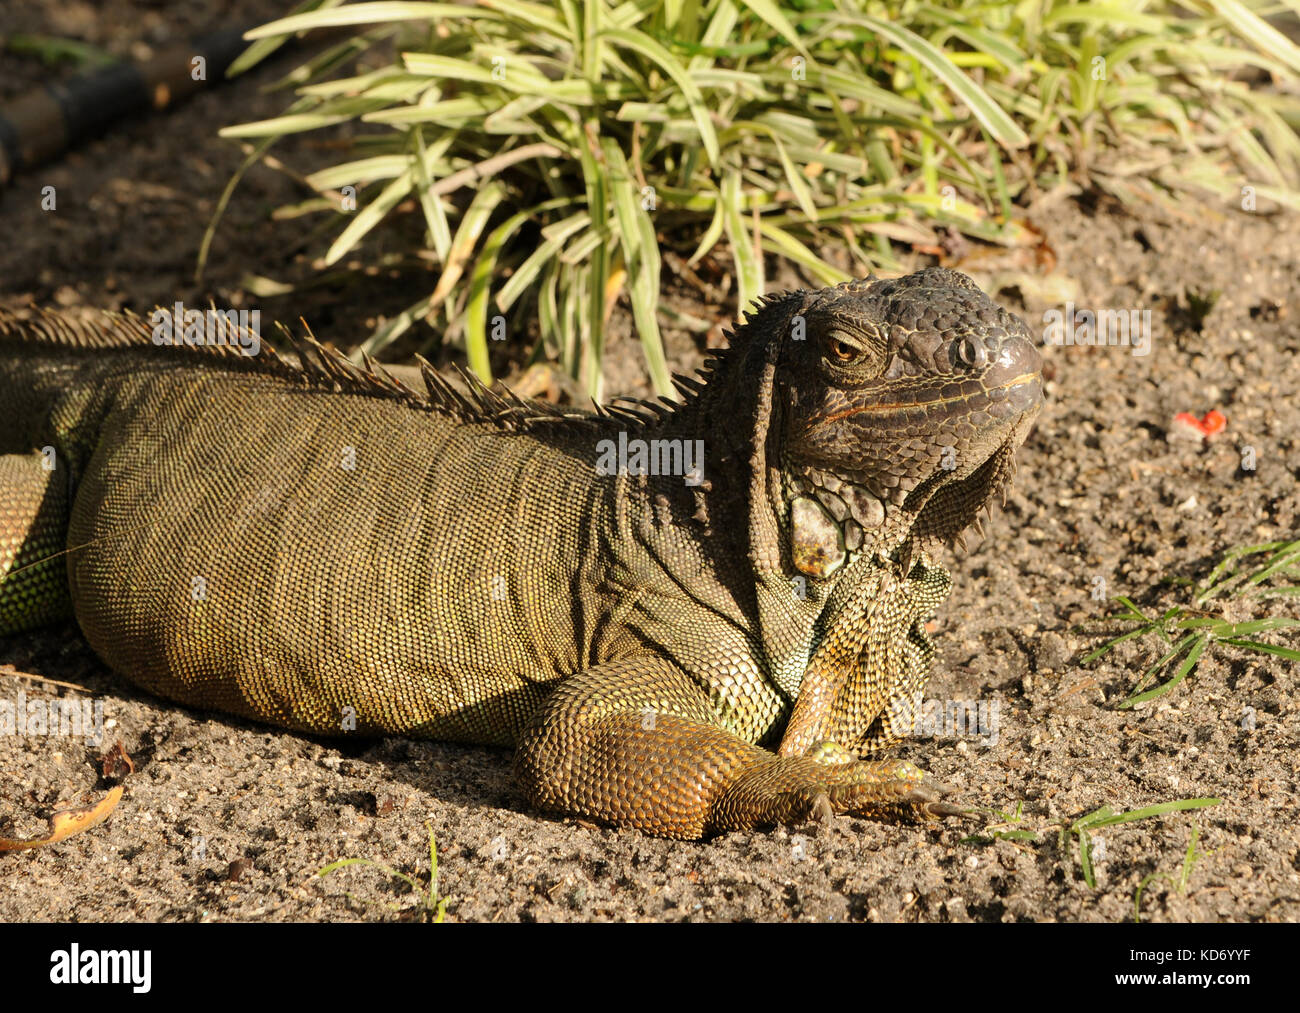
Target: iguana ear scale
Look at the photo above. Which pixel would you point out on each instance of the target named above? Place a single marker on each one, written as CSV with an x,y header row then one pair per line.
x,y
816,540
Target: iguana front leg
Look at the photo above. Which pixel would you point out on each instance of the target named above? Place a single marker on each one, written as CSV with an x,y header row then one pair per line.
x,y
636,743
863,685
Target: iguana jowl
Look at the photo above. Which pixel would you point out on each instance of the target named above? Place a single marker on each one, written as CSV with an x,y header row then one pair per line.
x,y
320,547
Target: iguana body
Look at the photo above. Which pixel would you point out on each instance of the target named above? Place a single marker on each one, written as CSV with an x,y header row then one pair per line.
x,y
320,548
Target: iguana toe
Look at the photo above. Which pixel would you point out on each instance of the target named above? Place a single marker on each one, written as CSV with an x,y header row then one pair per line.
x,y
938,810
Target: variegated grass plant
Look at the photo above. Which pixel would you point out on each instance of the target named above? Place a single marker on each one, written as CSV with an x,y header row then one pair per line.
x,y
554,150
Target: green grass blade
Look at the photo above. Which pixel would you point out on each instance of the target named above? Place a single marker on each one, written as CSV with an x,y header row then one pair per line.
x,y
1261,625
1189,663
251,159
379,12
749,266
394,328
1161,809
642,44
641,258
1259,645
1085,859
995,120
468,232
1106,647
771,13
1254,30
369,216
780,241
263,48
711,235
554,236
476,309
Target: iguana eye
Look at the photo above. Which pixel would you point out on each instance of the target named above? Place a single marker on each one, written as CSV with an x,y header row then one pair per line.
x,y
843,352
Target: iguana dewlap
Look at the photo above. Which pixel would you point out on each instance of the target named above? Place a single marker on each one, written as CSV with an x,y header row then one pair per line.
x,y
708,646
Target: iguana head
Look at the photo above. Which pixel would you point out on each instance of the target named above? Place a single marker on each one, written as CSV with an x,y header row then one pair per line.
x,y
901,405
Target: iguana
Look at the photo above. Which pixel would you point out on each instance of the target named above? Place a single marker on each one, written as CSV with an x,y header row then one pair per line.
x,y
677,642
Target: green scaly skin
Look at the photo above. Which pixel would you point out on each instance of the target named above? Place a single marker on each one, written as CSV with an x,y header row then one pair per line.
x,y
319,547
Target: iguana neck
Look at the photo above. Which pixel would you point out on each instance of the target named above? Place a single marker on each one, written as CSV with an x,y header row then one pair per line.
x,y
737,511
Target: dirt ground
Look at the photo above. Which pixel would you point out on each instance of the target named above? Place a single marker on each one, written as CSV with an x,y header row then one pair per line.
x,y
226,820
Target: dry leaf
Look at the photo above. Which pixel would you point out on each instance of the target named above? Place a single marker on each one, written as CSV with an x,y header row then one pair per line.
x,y
67,822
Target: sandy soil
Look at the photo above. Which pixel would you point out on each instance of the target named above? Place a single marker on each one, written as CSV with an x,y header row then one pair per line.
x,y
225,820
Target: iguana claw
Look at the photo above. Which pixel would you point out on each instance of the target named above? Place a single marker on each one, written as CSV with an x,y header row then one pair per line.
x,y
925,800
